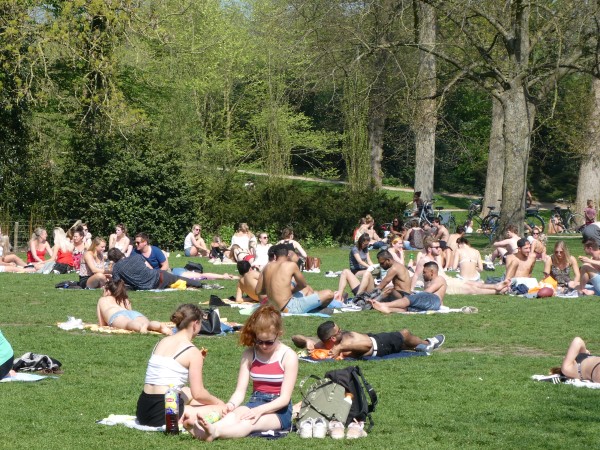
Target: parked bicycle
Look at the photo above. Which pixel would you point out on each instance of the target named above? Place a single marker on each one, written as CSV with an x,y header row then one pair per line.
x,y
490,222
428,214
564,220
474,213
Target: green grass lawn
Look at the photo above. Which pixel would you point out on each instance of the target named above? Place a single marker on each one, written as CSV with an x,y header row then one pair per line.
x,y
475,392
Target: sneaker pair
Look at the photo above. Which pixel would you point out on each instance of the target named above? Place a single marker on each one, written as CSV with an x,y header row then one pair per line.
x,y
313,428
336,429
433,344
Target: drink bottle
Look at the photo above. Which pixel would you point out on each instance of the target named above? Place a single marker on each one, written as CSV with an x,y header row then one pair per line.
x,y
172,410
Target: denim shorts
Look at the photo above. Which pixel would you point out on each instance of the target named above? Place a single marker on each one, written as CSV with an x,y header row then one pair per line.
x,y
424,301
595,282
299,304
187,252
131,315
284,414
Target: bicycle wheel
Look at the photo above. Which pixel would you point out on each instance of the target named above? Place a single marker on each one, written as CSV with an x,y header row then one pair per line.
x,y
489,225
476,224
575,223
451,225
533,220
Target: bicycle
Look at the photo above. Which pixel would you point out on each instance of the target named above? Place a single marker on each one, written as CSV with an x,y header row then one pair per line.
x,y
567,220
427,214
474,211
490,222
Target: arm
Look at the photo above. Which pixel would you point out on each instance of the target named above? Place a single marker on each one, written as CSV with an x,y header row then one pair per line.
x,y
359,260
33,250
417,274
162,259
239,296
576,273
435,285
592,262
350,346
101,320
548,266
511,267
260,289
502,243
457,259
54,253
299,249
199,392
479,263
290,367
238,396
112,240
91,263
299,278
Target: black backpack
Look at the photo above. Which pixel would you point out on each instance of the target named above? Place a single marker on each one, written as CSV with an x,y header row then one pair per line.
x,y
194,267
364,398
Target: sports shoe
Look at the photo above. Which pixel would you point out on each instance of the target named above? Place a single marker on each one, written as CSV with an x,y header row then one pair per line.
x,y
336,429
435,342
306,428
319,429
356,430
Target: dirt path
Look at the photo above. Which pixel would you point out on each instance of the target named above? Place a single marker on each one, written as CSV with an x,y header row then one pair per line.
x,y
540,205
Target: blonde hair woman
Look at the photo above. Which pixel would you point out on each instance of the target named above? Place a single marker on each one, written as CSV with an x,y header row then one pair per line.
x,y
91,272
38,248
63,248
6,256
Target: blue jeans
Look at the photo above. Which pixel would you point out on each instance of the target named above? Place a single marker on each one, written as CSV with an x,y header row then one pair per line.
x,y
284,414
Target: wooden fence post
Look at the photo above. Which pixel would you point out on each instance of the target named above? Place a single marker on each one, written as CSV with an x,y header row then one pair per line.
x,y
16,237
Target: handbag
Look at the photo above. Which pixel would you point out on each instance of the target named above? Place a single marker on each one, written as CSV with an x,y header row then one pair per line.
x,y
324,399
211,322
194,267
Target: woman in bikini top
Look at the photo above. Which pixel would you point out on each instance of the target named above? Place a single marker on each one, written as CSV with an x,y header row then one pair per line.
x,y
579,364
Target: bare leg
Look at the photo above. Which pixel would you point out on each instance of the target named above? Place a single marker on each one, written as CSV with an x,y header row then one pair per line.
x,y
325,296
411,341
586,273
14,259
159,327
366,284
301,341
400,305
569,365
346,278
96,281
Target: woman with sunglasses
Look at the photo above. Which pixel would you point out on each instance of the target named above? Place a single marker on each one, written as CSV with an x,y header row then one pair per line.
x,y
194,245
538,244
562,267
272,367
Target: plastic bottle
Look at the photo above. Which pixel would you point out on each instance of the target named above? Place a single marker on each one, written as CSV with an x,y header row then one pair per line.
x,y
349,397
172,410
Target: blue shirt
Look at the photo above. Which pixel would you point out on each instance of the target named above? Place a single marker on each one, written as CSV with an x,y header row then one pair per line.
x,y
6,351
156,258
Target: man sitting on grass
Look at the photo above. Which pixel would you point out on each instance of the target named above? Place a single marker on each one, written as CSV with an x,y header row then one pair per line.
x,y
285,287
135,273
358,345
247,283
590,271
431,299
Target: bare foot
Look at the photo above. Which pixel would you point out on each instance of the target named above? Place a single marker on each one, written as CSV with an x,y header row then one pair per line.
x,y
203,430
166,330
382,307
502,287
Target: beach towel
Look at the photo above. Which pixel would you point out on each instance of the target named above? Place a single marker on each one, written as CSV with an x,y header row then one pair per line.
x,y
558,379
402,354
131,422
26,377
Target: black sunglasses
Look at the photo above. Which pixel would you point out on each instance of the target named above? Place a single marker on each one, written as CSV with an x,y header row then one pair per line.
x,y
267,343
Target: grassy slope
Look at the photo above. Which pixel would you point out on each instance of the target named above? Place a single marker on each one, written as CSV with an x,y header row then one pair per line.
x,y
475,392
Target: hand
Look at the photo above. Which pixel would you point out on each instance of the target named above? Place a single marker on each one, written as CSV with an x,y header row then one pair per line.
x,y
334,352
252,414
227,408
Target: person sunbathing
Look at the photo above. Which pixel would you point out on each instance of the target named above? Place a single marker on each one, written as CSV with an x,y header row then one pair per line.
x,y
578,363
358,345
114,310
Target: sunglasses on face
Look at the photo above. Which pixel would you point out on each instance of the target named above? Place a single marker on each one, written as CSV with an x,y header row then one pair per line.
x,y
266,343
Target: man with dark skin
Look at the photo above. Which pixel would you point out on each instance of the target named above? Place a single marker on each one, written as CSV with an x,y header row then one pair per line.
x,y
358,345
396,274
275,281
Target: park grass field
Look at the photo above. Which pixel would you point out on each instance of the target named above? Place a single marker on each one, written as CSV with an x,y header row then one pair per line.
x,y
475,392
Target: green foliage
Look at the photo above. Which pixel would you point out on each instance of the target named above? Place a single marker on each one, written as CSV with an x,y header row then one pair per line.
x,y
318,214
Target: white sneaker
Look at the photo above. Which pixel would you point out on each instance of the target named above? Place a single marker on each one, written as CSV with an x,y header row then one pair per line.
x,y
436,342
356,430
306,428
319,429
336,429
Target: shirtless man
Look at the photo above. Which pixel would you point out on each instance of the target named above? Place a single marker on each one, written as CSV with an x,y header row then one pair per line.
x,y
441,232
590,271
520,265
507,246
431,299
396,282
247,283
467,260
275,281
432,253
358,345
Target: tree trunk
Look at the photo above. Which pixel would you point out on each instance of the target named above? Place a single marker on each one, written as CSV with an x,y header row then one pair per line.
x,y
376,130
588,186
518,120
425,121
495,167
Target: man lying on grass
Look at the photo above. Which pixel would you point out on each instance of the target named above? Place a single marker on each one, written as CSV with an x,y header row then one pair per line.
x,y
357,345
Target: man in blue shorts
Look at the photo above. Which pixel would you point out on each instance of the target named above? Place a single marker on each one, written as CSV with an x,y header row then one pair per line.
x,y
285,287
431,299
590,270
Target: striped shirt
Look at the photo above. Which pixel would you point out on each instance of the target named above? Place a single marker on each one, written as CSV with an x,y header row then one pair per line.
x,y
267,377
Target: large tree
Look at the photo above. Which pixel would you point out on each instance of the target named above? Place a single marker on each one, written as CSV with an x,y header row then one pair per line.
x,y
588,186
517,51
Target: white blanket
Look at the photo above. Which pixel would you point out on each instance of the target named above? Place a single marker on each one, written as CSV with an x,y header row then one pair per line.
x,y
556,379
24,377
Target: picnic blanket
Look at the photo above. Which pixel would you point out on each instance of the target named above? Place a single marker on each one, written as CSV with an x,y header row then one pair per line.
x,y
446,310
558,379
402,354
26,377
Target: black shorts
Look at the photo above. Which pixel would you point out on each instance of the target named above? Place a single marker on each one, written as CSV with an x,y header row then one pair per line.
x,y
387,343
151,409
83,282
6,366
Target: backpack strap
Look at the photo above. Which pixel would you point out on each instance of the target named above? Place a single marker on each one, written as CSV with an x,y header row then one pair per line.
x,y
372,396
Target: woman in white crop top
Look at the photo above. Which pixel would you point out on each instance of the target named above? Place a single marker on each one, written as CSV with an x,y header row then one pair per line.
x,y
176,361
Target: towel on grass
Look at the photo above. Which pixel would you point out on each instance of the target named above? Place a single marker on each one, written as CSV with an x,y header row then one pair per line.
x,y
402,354
25,377
558,379
130,422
